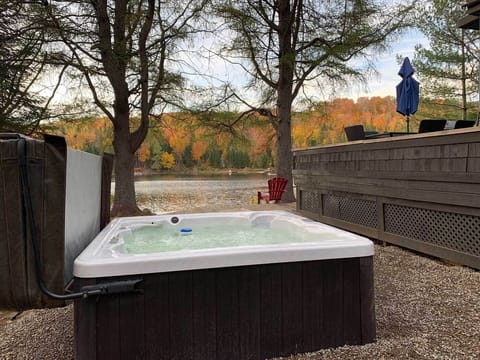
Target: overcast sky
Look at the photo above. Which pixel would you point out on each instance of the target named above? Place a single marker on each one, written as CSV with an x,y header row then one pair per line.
x,y
218,71
382,84
388,67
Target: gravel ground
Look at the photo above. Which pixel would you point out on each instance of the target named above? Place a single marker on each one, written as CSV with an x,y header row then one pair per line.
x,y
425,309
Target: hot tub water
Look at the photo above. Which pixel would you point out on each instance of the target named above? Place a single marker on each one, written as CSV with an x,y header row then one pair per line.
x,y
153,239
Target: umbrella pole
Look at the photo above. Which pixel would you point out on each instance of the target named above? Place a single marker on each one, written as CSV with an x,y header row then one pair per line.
x,y
408,124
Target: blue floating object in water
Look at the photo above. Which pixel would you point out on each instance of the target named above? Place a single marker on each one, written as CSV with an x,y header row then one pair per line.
x,y
185,230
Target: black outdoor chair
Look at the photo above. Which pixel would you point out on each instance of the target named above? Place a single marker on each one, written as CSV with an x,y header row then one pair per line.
x,y
460,124
357,132
429,125
354,132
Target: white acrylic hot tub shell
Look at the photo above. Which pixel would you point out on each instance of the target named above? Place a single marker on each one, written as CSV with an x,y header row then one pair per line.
x,y
98,261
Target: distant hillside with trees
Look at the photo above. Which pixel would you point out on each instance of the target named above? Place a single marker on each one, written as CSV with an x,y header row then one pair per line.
x,y
181,141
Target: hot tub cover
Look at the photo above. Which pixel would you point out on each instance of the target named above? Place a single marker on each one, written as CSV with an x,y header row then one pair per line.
x,y
46,163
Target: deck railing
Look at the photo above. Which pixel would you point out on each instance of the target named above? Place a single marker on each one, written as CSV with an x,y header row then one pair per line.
x,y
419,191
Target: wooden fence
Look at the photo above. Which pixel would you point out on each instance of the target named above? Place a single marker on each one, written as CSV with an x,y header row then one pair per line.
x,y
419,191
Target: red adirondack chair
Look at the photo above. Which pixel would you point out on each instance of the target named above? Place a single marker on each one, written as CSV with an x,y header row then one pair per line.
x,y
276,188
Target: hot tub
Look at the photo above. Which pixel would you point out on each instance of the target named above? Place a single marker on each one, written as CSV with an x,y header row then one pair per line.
x,y
242,285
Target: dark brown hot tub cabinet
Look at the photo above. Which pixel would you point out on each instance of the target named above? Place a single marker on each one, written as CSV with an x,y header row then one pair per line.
x,y
246,312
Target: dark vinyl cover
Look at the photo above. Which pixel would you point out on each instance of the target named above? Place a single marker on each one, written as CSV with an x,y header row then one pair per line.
x,y
46,163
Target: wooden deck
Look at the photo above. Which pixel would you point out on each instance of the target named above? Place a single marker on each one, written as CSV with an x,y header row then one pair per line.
x,y
420,191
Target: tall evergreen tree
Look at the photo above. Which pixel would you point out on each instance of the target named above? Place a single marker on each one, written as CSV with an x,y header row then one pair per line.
x,y
449,67
285,44
127,53
22,61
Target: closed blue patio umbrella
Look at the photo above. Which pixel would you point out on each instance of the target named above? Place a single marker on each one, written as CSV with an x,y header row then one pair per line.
x,y
408,91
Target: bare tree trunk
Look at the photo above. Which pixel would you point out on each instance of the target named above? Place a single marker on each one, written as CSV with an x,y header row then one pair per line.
x,y
125,203
464,80
285,98
284,143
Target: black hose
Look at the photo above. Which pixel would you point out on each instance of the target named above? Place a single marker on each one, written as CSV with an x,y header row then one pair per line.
x,y
30,219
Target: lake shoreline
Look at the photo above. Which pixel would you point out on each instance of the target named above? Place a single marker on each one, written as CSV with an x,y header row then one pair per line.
x,y
146,172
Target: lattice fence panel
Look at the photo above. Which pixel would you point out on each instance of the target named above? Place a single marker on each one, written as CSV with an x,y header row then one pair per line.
x,y
450,230
310,201
351,209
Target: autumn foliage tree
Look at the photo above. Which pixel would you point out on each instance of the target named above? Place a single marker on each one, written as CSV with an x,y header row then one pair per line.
x,y
174,134
200,144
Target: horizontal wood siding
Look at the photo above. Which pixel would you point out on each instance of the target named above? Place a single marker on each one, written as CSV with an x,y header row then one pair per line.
x,y
391,179
252,312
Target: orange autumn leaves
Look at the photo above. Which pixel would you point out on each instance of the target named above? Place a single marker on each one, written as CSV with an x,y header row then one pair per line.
x,y
173,135
323,123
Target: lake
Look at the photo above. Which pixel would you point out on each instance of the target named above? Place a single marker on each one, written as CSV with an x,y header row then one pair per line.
x,y
167,193
158,184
